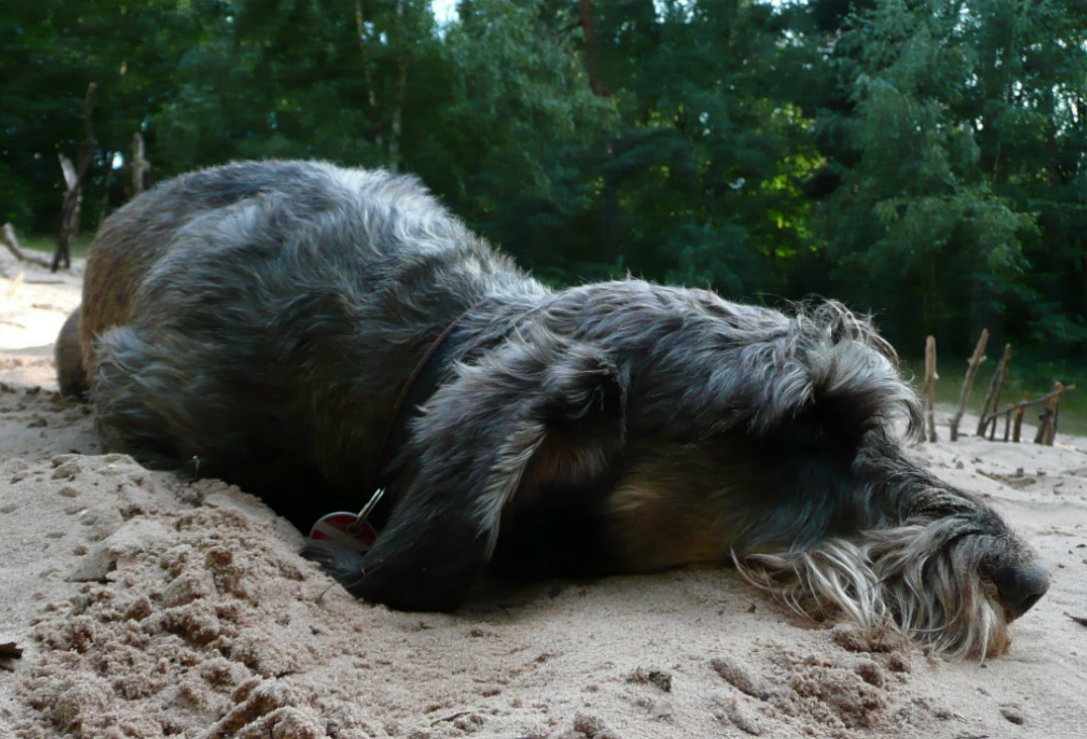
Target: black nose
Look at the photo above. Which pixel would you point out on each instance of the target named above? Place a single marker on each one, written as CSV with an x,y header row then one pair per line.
x,y
1020,586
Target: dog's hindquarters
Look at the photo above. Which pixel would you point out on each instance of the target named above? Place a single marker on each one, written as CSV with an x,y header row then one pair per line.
x,y
68,355
258,321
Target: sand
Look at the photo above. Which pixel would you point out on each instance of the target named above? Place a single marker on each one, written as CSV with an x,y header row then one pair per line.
x,y
149,606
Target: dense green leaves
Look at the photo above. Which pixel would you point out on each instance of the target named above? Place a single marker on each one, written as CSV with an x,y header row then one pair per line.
x,y
960,115
923,159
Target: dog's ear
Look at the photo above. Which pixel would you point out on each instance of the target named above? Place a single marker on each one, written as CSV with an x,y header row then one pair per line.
x,y
563,430
530,418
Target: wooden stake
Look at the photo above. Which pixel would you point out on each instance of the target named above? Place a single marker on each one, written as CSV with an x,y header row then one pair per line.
x,y
929,393
1018,427
968,382
1043,424
996,387
1002,373
1053,407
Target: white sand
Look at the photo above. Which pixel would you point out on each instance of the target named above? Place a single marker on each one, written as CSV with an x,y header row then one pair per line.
x,y
148,607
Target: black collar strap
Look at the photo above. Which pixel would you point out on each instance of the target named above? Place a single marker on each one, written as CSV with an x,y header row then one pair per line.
x,y
416,390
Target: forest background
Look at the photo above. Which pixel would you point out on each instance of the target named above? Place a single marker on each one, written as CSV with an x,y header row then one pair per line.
x,y
924,160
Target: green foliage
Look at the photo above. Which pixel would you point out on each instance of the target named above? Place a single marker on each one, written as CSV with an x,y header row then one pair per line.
x,y
923,159
940,105
510,152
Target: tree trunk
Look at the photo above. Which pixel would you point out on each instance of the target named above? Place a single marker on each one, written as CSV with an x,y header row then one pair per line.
x,y
396,125
72,200
592,60
70,205
368,77
12,242
140,165
612,226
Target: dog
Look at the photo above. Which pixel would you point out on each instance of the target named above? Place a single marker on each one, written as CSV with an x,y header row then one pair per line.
x,y
315,333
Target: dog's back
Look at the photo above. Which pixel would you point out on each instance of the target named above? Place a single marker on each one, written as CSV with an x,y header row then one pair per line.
x,y
235,317
242,210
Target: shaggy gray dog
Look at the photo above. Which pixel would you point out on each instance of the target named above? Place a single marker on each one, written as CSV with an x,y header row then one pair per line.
x,y
314,333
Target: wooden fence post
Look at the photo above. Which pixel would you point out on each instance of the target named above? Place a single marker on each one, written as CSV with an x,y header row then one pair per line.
x,y
968,381
1047,432
1007,360
992,397
929,393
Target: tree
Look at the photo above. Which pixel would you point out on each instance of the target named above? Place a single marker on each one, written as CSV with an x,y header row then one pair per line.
x,y
914,208
306,78
517,148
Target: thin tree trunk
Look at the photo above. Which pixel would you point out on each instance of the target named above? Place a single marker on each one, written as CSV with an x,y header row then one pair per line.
x,y
364,52
140,165
72,200
376,124
12,242
612,226
592,60
396,125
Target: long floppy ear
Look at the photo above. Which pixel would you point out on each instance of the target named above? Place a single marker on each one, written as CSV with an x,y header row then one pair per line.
x,y
530,416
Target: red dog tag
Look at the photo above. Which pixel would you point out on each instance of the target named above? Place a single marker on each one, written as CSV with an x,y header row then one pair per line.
x,y
346,529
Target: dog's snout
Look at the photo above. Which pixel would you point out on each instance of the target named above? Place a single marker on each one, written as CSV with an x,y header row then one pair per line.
x,y
1020,586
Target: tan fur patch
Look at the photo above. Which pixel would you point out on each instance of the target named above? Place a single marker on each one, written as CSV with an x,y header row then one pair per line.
x,y
121,256
658,529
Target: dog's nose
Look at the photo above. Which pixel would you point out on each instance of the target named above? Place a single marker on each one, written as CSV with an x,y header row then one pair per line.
x,y
1020,586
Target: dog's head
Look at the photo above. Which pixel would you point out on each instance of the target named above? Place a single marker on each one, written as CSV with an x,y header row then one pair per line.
x,y
698,425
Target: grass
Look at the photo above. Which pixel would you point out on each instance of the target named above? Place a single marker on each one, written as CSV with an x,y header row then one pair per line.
x,y
48,244
1027,380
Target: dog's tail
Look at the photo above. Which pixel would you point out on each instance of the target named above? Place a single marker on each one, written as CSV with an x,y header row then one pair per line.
x,y
828,371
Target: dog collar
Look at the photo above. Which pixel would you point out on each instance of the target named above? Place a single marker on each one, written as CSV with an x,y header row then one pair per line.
x,y
354,530
423,381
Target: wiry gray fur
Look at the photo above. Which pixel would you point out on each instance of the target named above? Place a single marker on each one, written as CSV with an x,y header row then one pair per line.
x,y
273,339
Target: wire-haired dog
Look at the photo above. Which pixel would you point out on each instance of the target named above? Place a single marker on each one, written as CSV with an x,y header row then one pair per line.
x,y
312,333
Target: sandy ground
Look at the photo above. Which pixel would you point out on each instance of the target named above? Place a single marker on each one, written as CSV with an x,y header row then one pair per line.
x,y
147,606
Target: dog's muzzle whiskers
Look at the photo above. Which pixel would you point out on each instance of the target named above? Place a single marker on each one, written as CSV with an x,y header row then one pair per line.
x,y
888,578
